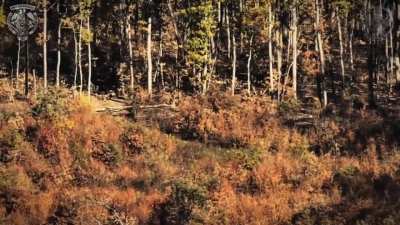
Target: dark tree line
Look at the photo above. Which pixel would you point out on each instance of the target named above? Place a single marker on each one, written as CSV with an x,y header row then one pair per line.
x,y
278,48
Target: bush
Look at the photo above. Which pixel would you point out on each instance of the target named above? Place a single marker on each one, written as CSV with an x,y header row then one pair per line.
x,y
110,154
6,90
9,144
14,178
248,159
242,124
50,143
133,141
79,153
182,205
51,105
289,108
6,116
11,139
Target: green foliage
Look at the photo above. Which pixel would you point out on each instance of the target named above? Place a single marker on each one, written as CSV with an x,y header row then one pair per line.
x,y
6,116
11,139
51,105
133,141
302,151
344,6
183,203
79,153
10,143
14,178
85,7
349,171
201,19
248,158
87,35
289,107
112,154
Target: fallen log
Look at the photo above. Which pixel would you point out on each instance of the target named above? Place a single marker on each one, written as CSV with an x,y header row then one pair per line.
x,y
136,108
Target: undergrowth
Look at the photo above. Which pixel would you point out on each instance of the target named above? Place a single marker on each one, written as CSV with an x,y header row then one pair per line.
x,y
219,160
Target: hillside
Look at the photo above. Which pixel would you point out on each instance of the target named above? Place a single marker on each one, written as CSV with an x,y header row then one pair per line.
x,y
214,160
189,112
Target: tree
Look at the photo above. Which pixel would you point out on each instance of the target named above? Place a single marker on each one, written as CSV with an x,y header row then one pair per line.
x,y
270,49
341,8
130,47
149,58
322,93
234,65
45,43
202,28
60,24
294,42
86,7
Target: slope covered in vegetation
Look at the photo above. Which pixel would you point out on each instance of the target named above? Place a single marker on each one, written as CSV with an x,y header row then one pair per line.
x,y
216,160
256,112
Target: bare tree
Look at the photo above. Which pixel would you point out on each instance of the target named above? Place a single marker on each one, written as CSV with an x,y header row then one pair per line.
x,y
45,43
89,46
294,42
149,59
270,49
234,66
129,32
249,66
80,56
58,45
18,64
339,27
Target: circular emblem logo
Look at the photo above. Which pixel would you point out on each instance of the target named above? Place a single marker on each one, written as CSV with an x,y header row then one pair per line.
x,y
22,21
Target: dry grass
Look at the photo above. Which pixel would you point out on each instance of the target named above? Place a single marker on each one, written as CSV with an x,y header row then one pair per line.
x,y
240,165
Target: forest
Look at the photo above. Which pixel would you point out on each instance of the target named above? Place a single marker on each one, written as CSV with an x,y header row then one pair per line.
x,y
231,112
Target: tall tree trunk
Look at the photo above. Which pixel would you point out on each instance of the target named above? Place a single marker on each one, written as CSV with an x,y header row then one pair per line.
x,y
371,71
18,64
371,65
45,43
270,49
121,30
228,31
241,25
249,66
392,68
179,41
342,72
58,47
34,83
27,67
279,50
320,78
205,78
387,59
160,55
129,31
234,66
351,36
80,57
149,60
89,46
76,57
294,42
